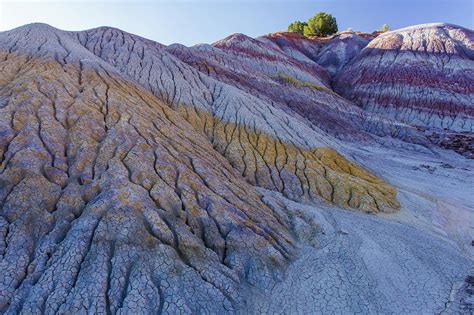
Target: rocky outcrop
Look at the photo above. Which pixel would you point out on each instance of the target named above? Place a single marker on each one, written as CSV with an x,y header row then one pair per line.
x,y
421,75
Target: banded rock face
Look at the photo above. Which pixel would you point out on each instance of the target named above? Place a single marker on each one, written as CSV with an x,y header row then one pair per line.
x,y
421,75
121,193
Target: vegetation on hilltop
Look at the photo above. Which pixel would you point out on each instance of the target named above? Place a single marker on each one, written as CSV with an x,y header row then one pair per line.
x,y
297,27
321,24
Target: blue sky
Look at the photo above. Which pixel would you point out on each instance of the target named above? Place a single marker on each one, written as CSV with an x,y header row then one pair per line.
x,y
204,21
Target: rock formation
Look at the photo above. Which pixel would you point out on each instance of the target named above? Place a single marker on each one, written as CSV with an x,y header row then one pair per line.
x,y
140,178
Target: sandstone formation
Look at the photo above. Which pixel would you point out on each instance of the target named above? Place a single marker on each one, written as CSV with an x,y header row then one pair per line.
x,y
223,178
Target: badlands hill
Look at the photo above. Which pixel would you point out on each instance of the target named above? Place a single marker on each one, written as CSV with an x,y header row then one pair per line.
x,y
276,174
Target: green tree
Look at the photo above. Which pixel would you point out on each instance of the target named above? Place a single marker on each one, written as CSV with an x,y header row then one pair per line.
x,y
297,27
385,28
322,24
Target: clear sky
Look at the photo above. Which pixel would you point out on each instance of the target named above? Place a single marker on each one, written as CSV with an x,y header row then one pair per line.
x,y
204,21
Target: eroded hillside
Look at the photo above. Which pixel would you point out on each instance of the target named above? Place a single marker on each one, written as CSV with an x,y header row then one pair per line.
x,y
141,178
421,75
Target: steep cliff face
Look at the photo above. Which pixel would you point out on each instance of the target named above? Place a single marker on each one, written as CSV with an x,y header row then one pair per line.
x,y
421,75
